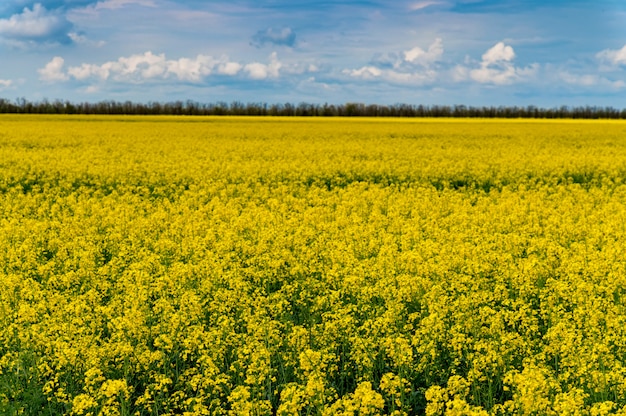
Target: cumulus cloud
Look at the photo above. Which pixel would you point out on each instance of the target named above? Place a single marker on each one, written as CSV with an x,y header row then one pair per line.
x,y
415,66
46,21
53,71
418,66
36,25
504,76
613,57
148,66
229,68
5,83
498,53
258,70
406,61
195,69
496,67
419,56
282,37
86,71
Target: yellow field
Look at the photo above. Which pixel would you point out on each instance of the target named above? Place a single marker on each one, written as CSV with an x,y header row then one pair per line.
x,y
245,266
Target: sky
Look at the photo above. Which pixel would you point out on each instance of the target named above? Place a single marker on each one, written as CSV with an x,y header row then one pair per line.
x,y
432,52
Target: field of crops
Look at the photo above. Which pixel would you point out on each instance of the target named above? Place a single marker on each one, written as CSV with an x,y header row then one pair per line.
x,y
242,266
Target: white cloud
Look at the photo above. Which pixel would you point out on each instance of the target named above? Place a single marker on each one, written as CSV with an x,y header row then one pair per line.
x,y
366,72
498,76
229,68
5,83
415,66
498,53
86,71
421,57
36,24
149,66
258,70
496,67
53,71
187,69
420,67
202,66
144,66
613,57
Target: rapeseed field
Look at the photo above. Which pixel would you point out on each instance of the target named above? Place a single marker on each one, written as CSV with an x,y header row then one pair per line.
x,y
267,266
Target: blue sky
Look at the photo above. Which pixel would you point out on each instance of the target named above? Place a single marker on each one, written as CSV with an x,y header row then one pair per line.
x,y
473,52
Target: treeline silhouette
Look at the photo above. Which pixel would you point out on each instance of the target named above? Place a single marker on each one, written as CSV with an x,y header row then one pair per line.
x,y
237,108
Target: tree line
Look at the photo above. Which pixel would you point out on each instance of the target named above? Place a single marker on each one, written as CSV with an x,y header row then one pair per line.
x,y
237,108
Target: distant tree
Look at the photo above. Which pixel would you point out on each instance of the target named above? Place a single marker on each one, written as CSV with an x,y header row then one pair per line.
x,y
350,109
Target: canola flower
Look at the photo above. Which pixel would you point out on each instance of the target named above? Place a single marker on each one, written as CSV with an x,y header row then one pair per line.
x,y
241,266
